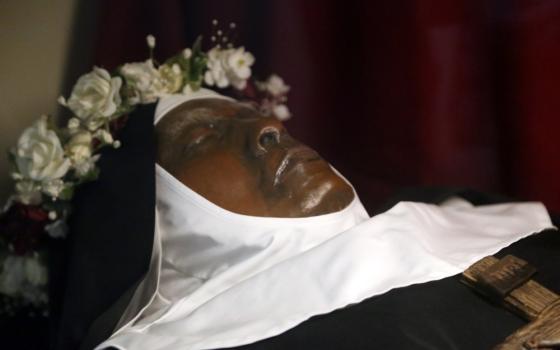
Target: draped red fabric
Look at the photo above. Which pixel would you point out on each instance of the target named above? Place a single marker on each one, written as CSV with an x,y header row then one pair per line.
x,y
393,93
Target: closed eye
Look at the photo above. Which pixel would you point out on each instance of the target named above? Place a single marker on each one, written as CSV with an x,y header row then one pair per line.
x,y
199,136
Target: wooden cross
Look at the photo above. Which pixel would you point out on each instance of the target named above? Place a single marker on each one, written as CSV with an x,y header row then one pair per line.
x,y
508,282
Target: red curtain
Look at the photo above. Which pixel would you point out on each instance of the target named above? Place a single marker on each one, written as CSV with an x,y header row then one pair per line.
x,y
393,93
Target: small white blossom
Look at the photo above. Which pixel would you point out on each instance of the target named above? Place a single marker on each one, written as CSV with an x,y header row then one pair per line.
x,y
274,85
187,90
86,166
61,100
12,275
117,144
39,154
216,74
35,295
95,97
187,53
28,192
281,112
104,136
52,215
79,147
144,79
35,271
93,124
151,41
53,188
171,79
239,62
228,67
73,124
16,176
57,229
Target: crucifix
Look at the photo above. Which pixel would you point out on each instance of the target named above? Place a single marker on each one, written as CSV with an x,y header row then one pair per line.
x,y
508,282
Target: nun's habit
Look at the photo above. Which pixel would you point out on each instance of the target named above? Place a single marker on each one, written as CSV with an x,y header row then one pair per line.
x,y
191,275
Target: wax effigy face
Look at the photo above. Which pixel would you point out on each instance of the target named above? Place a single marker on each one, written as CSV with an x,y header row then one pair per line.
x,y
246,163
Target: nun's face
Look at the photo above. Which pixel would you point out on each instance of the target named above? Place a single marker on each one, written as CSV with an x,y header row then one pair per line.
x,y
246,163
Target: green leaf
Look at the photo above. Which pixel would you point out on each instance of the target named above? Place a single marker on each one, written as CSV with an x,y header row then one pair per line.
x,y
60,206
123,109
92,175
198,63
67,193
197,46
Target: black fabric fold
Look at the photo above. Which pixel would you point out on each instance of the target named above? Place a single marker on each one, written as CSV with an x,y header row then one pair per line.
x,y
110,242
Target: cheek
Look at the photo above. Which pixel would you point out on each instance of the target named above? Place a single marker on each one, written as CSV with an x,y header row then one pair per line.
x,y
224,180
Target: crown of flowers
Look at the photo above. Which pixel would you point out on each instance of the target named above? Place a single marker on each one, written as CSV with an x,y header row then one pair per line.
x,y
50,162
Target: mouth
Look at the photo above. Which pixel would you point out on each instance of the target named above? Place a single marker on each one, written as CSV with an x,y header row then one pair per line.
x,y
294,157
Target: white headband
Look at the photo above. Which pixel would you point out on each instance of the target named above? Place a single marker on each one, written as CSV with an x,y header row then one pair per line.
x,y
167,103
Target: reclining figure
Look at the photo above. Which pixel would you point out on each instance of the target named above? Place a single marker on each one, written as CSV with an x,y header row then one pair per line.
x,y
256,242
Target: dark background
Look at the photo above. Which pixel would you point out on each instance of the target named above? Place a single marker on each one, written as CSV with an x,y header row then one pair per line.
x,y
393,93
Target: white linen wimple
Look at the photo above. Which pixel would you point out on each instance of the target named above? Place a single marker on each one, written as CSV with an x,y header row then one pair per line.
x,y
168,102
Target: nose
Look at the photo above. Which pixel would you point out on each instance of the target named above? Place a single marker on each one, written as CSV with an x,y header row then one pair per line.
x,y
266,134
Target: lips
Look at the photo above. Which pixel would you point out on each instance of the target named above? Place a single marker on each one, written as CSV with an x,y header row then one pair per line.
x,y
293,157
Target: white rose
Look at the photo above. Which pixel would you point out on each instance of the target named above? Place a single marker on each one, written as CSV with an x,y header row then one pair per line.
x,y
171,78
79,147
95,95
12,275
281,112
39,154
35,272
144,79
28,192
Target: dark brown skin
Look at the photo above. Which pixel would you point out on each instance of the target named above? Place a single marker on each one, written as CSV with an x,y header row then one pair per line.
x,y
246,163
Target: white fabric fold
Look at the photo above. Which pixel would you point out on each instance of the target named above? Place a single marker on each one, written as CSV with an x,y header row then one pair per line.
x,y
168,102
228,279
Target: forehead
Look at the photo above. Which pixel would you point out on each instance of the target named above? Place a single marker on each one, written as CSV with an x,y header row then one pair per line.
x,y
209,110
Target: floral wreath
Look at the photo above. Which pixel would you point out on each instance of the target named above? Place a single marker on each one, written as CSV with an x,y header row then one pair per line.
x,y
50,162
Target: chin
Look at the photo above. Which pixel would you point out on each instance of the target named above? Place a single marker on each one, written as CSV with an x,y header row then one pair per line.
x,y
325,192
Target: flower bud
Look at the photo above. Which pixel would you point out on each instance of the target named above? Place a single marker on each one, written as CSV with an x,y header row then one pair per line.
x,y
151,41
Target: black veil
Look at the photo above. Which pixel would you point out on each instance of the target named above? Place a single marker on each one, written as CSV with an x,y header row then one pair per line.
x,y
107,253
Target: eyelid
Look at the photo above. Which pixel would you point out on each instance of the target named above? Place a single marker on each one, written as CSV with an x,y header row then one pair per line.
x,y
199,134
